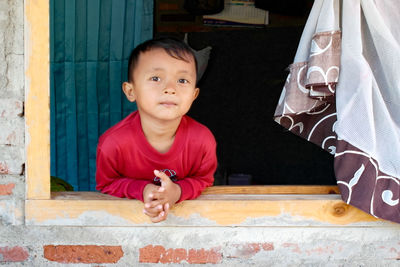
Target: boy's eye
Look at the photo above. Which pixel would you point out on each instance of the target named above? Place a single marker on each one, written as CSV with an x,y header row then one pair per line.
x,y
183,81
155,79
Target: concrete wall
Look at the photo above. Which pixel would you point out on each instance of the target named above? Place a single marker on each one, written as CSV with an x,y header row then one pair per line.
x,y
377,244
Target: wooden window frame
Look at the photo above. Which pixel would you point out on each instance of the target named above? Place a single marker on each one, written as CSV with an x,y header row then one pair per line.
x,y
217,206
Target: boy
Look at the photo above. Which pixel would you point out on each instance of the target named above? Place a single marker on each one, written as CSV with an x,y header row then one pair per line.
x,y
157,154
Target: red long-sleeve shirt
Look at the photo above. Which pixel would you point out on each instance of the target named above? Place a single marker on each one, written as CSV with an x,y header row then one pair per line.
x,y
126,161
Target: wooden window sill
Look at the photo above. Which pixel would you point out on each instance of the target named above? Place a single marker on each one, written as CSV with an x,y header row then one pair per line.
x,y
217,206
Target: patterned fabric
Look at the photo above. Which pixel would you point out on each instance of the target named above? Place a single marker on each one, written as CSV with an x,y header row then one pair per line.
x,y
307,107
323,66
363,185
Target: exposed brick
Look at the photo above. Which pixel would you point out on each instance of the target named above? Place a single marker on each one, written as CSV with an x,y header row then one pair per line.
x,y
83,253
247,250
6,189
204,256
151,254
155,254
158,254
13,254
174,255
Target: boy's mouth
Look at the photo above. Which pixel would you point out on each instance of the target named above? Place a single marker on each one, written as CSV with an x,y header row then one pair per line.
x,y
168,103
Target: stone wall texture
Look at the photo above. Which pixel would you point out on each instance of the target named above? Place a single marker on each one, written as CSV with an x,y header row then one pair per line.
x,y
12,129
25,245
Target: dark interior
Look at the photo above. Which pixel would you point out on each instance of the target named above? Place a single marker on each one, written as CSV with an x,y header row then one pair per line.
x,y
238,95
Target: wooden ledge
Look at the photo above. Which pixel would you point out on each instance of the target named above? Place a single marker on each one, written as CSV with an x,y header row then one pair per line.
x,y
234,209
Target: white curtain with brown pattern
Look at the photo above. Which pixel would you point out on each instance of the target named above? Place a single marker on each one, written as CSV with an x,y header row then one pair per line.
x,y
343,94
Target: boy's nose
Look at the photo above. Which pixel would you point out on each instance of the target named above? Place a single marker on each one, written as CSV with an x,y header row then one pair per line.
x,y
169,89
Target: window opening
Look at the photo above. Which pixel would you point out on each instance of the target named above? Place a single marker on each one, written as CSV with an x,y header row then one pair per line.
x,y
239,92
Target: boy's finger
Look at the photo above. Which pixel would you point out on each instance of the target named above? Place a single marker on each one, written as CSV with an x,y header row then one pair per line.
x,y
161,189
153,205
153,211
158,196
150,196
163,177
150,214
161,217
166,208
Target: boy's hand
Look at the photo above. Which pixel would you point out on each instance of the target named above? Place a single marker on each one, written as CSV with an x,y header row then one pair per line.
x,y
169,192
153,208
158,199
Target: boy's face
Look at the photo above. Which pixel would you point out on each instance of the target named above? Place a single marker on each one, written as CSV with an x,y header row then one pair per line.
x,y
163,87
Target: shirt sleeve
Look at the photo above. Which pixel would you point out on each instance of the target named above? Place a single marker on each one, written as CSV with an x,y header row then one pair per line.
x,y
108,179
191,187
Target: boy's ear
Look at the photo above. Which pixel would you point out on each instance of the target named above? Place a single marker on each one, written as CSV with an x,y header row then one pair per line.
x,y
129,91
196,93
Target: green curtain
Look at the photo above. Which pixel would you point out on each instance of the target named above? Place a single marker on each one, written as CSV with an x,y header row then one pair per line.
x,y
90,43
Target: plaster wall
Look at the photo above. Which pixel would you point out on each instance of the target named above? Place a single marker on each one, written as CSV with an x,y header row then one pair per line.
x,y
369,244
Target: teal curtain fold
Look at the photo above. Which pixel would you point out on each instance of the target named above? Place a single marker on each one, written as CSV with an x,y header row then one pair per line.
x,y
90,43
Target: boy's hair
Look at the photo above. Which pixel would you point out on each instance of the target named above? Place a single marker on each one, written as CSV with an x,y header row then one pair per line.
x,y
174,47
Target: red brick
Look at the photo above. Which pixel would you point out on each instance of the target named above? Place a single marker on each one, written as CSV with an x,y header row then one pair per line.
x,y
151,254
158,254
6,189
83,253
204,256
174,255
13,254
